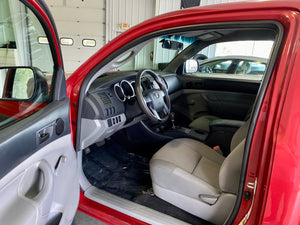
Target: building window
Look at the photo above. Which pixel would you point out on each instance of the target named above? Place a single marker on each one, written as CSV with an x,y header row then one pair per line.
x,y
43,40
66,41
89,42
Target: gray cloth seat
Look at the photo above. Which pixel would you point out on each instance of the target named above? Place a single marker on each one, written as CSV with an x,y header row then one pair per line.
x,y
205,124
202,123
197,179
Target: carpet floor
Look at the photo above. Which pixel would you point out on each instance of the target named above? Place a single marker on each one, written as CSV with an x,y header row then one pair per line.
x,y
111,168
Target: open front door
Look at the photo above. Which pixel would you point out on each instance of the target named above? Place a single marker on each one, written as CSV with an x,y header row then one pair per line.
x,y
38,172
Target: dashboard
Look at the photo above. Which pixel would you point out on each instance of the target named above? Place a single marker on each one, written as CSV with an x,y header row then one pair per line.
x,y
110,105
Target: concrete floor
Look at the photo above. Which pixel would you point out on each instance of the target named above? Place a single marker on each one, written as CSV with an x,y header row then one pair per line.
x,y
83,219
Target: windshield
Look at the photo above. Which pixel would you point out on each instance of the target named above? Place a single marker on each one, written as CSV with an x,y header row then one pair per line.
x,y
226,57
158,53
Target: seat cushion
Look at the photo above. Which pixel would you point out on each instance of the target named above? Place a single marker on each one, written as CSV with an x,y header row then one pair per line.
x,y
188,167
195,178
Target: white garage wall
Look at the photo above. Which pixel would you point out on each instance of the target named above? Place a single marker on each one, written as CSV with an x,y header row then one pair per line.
x,y
212,2
133,12
78,19
129,12
100,20
164,6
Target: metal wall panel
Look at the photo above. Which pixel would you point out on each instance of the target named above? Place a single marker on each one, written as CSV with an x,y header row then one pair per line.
x,y
78,20
129,12
100,20
164,6
133,12
213,2
161,7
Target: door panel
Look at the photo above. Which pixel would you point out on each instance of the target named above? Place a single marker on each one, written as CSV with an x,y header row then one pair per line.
x,y
219,84
41,187
229,105
38,166
22,139
188,105
39,176
225,98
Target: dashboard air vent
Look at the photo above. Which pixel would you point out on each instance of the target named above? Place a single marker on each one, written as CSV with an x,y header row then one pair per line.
x,y
104,98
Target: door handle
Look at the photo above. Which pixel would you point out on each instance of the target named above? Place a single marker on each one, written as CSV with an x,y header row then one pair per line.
x,y
44,137
45,133
36,188
45,195
56,127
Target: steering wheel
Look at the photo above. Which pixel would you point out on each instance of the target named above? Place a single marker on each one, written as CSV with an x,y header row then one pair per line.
x,y
155,103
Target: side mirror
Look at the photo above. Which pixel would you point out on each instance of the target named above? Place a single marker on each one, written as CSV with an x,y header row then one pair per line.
x,y
23,83
191,66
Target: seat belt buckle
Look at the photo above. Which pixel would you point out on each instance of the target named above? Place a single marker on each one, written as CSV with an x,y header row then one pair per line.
x,y
217,149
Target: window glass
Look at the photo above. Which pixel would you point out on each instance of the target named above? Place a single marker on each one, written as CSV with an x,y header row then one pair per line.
x,y
240,66
223,59
158,53
249,67
43,40
26,62
219,66
239,58
253,48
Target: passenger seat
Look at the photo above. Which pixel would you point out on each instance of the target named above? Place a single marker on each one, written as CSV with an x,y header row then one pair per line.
x,y
202,123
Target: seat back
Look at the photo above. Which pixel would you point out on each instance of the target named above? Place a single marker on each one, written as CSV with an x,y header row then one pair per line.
x,y
239,135
230,171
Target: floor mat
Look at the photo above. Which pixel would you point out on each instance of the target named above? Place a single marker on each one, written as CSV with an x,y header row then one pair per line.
x,y
111,168
160,205
114,170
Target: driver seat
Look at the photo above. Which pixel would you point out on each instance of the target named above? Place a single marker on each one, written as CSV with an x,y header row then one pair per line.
x,y
197,179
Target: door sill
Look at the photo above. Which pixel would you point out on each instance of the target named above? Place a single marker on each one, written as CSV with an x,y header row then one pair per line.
x,y
130,208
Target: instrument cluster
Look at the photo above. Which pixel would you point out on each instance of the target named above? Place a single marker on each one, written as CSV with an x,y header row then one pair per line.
x,y
124,90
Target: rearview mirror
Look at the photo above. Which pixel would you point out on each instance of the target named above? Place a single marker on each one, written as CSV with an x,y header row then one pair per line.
x,y
173,45
191,66
22,83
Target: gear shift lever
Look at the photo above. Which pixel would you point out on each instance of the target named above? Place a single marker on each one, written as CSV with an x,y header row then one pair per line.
x,y
172,117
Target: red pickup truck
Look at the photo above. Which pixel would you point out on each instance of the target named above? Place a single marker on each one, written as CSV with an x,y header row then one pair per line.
x,y
139,134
